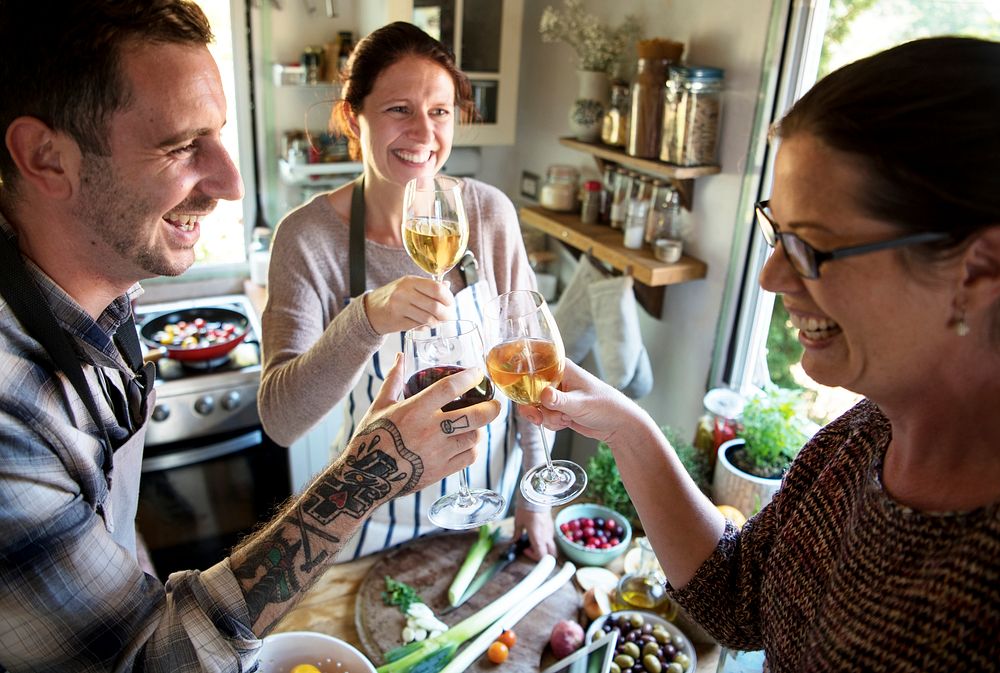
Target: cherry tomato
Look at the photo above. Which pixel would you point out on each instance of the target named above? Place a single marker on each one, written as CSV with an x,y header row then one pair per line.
x,y
508,638
497,653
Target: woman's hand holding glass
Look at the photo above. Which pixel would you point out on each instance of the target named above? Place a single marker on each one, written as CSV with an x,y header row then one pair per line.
x,y
432,353
525,357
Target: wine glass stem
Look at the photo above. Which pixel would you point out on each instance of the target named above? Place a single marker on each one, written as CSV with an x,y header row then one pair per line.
x,y
548,472
465,498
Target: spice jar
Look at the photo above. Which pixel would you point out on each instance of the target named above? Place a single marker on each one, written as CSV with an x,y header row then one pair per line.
x,y
646,105
559,190
692,110
614,125
719,423
590,207
619,199
635,216
607,191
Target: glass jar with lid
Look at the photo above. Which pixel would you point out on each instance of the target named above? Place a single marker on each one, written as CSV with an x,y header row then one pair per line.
x,y
614,125
719,423
691,116
620,197
646,102
560,189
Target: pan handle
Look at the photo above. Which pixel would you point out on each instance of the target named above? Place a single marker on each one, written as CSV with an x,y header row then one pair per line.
x,y
154,355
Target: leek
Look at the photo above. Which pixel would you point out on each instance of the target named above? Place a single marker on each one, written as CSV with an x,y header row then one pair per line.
x,y
475,649
432,654
477,552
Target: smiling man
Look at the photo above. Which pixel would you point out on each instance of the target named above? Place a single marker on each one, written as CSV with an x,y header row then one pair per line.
x,y
111,156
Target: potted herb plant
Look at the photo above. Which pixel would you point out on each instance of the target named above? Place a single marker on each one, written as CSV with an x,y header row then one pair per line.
x,y
748,469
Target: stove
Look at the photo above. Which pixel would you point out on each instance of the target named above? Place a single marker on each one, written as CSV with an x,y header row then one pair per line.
x,y
197,399
210,474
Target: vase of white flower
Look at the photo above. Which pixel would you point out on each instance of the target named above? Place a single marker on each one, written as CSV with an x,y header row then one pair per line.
x,y
598,49
587,111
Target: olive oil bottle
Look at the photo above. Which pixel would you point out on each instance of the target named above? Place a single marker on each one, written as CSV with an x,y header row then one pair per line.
x,y
646,588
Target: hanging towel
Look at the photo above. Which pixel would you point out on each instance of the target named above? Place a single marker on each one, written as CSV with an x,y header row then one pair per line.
x,y
599,313
572,312
619,349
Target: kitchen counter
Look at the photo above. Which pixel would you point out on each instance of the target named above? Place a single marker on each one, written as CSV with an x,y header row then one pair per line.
x,y
328,607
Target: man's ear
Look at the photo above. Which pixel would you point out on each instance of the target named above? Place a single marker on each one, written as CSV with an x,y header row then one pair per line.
x,y
981,270
47,160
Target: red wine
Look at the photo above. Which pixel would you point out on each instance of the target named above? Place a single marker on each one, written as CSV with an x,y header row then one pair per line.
x,y
483,392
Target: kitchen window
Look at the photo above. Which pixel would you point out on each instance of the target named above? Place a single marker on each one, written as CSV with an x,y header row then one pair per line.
x,y
222,249
807,41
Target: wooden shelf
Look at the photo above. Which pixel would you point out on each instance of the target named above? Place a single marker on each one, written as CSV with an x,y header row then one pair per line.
x,y
605,244
682,177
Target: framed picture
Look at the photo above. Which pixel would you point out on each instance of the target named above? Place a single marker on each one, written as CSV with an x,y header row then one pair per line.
x,y
594,657
529,185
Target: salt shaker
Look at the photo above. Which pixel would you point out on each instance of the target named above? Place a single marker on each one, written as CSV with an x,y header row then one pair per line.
x,y
591,207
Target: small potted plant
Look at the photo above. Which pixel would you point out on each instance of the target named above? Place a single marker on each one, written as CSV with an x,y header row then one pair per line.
x,y
749,468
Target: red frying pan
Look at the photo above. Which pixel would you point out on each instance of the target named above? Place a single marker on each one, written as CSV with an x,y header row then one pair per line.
x,y
197,334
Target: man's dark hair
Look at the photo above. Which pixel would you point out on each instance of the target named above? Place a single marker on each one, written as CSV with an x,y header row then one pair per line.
x,y
61,62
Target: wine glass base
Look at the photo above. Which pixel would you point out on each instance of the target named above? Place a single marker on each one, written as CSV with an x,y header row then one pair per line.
x,y
561,483
457,512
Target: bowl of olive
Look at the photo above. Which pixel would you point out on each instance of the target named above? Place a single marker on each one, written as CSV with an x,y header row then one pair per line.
x,y
645,641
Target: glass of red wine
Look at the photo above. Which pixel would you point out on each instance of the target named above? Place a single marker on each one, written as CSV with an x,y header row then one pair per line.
x,y
430,353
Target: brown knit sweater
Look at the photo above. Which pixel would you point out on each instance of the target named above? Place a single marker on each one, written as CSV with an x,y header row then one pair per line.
x,y
834,575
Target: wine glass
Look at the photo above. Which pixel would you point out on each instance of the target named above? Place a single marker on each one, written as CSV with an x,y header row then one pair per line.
x,y
435,227
431,352
525,357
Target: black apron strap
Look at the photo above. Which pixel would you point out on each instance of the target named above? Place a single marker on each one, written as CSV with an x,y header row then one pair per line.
x,y
356,239
27,303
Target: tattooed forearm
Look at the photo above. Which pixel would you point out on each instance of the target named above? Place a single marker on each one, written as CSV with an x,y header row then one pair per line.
x,y
278,564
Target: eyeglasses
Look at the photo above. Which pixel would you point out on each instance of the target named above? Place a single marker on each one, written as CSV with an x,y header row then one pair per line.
x,y
806,260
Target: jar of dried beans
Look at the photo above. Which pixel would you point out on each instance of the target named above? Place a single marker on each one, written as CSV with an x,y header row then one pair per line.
x,y
692,110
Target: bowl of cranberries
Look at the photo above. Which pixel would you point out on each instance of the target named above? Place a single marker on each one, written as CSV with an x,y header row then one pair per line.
x,y
592,535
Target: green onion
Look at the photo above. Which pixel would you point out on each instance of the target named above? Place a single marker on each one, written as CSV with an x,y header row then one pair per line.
x,y
475,649
432,654
477,552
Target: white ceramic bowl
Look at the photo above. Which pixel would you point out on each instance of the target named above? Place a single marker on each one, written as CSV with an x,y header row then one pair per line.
x,y
681,641
284,651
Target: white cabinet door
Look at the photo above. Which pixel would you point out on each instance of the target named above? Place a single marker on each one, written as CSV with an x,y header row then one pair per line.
x,y
486,38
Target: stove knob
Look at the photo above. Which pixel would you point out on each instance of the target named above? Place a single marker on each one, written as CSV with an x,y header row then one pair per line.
x,y
205,405
231,400
161,412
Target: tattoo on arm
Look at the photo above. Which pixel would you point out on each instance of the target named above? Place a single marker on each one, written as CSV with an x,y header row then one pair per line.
x,y
460,423
279,563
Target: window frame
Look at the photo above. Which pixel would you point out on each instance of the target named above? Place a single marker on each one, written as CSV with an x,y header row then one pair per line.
x,y
789,68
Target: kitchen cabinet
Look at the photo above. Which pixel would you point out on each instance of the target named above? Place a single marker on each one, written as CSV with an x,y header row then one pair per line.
x,y
606,245
486,38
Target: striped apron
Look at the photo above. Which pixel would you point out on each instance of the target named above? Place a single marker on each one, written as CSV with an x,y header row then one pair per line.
x,y
499,461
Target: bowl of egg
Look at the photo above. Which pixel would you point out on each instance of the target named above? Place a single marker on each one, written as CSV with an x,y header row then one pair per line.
x,y
310,652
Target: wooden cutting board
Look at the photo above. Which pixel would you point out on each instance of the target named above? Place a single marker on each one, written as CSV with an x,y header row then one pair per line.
x,y
428,565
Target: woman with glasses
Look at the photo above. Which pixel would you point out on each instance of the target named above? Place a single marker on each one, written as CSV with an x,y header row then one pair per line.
x,y
881,550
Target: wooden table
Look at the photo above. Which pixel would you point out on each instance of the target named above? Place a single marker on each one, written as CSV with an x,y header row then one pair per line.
x,y
328,607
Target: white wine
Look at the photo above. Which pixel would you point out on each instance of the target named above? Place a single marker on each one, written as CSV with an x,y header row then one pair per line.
x,y
522,369
435,245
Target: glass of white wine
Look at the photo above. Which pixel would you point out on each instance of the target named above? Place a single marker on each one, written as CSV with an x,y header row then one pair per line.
x,y
430,353
525,355
435,227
